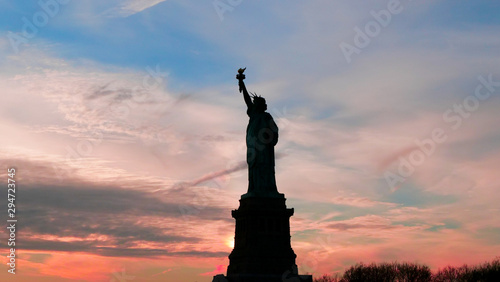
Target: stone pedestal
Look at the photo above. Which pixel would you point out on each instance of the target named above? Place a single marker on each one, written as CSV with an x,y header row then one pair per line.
x,y
262,250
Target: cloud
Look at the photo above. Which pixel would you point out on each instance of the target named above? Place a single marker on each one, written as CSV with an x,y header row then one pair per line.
x,y
218,270
131,7
91,111
357,202
127,220
110,219
373,224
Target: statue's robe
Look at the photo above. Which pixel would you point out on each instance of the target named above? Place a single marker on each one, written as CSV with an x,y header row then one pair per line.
x,y
262,136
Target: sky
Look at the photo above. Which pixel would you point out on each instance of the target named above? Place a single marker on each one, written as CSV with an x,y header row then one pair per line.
x,y
126,130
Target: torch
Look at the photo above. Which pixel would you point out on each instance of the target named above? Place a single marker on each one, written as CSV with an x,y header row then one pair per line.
x,y
240,76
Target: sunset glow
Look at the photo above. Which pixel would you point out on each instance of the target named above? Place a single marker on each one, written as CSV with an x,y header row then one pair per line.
x,y
126,130
230,243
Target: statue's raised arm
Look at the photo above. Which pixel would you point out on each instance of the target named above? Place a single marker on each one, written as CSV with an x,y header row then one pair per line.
x,y
240,76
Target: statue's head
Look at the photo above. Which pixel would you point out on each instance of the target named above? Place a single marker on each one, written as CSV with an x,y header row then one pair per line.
x,y
260,103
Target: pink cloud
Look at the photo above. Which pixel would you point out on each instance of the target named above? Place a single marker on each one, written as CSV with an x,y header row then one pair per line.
x,y
219,269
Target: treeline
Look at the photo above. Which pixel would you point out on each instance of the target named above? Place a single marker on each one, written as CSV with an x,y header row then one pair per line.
x,y
407,272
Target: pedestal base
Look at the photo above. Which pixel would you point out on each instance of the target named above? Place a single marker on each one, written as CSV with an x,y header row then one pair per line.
x,y
262,250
